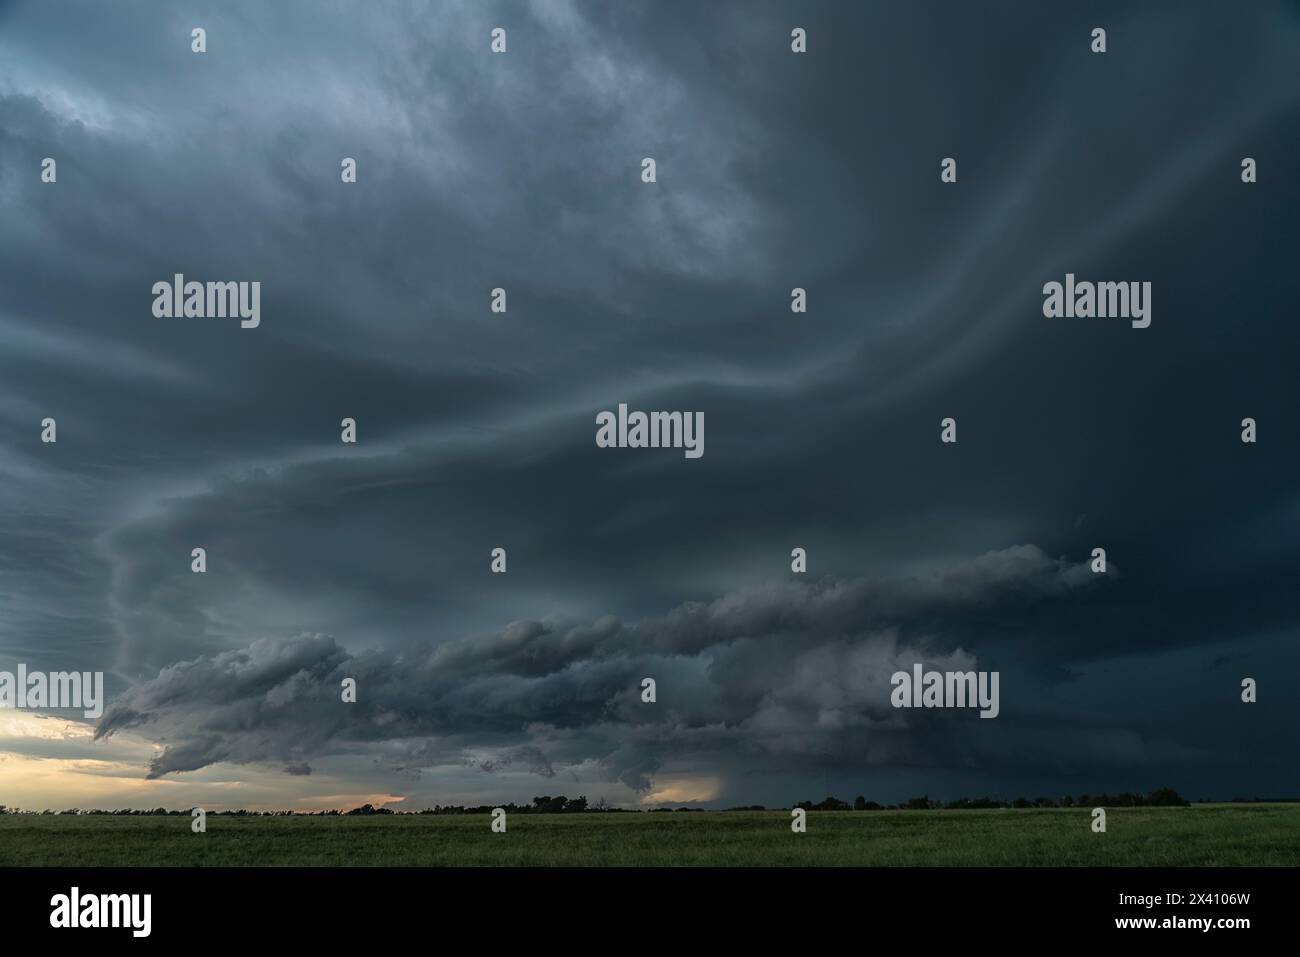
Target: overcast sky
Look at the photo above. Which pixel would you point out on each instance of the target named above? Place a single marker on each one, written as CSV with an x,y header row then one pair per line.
x,y
476,430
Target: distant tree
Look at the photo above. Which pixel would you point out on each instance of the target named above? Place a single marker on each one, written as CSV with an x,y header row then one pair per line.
x,y
859,803
831,804
364,809
1166,797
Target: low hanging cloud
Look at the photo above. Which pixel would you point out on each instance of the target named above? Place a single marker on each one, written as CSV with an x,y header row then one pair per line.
x,y
787,672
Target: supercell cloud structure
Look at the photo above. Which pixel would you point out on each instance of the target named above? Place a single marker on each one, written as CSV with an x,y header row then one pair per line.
x,y
475,429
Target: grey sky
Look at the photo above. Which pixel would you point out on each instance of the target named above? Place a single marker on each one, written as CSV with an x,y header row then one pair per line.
x,y
476,430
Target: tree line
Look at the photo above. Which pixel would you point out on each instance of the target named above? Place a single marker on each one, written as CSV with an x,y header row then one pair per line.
x,y
1161,797
560,804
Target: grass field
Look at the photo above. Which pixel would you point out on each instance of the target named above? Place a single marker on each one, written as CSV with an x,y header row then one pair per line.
x,y
1267,834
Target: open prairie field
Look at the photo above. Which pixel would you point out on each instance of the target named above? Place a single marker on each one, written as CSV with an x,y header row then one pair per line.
x,y
1206,835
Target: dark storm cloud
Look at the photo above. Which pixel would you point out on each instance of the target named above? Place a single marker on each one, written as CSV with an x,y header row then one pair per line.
x,y
476,430
787,671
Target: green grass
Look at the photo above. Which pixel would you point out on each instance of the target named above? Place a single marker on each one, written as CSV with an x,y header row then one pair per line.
x,y
1213,835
